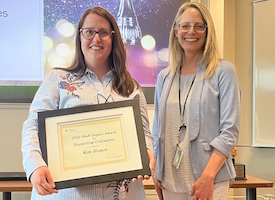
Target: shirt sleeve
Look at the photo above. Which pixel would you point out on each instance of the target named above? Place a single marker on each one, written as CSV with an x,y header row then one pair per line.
x,y
145,121
46,98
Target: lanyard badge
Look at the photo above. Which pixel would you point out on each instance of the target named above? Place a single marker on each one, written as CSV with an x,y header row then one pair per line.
x,y
178,157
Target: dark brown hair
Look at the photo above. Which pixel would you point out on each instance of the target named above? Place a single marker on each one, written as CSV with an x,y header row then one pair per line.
x,y
123,83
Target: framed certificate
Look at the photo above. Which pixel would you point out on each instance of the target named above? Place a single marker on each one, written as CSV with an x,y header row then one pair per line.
x,y
93,144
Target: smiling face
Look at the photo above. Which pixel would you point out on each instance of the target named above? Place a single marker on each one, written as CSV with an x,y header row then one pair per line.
x,y
96,51
191,41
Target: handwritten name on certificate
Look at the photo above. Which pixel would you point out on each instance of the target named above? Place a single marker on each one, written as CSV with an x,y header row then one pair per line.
x,y
92,143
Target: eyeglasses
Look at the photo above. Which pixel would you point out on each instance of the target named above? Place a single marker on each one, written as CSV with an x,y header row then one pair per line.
x,y
198,27
89,33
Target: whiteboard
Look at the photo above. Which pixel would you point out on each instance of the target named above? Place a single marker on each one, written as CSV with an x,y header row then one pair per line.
x,y
264,73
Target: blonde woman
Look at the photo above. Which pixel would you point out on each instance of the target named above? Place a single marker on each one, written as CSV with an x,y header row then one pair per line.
x,y
197,112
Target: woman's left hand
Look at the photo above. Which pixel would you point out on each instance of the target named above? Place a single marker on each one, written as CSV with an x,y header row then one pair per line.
x,y
152,165
203,188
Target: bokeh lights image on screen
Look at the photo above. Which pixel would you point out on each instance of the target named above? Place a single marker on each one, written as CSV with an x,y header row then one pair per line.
x,y
144,26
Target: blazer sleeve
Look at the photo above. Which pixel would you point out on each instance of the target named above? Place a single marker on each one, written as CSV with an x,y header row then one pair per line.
x,y
158,92
230,102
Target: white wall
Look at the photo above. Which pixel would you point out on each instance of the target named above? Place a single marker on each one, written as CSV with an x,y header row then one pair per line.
x,y
12,117
11,121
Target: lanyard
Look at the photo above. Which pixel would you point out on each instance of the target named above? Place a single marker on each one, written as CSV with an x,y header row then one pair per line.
x,y
182,115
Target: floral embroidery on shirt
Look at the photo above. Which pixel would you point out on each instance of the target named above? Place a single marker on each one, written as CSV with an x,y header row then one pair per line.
x,y
121,187
69,84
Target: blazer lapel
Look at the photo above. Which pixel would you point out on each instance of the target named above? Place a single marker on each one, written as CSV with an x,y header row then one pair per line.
x,y
194,114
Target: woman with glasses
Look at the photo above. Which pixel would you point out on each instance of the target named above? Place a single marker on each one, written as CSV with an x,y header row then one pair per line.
x,y
97,75
197,112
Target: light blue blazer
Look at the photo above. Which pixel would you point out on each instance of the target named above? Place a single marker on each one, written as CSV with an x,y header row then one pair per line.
x,y
214,118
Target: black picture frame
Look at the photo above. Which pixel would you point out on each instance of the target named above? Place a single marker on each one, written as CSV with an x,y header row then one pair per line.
x,y
69,116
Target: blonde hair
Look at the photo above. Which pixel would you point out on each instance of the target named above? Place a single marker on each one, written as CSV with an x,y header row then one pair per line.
x,y
210,55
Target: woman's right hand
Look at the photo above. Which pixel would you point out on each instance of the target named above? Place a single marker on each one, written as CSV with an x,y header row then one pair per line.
x,y
158,188
42,181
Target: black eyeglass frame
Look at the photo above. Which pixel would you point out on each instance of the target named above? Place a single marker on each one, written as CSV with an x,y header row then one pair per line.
x,y
97,32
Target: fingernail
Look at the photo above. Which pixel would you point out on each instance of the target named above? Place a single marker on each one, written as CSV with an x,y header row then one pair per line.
x,y
53,185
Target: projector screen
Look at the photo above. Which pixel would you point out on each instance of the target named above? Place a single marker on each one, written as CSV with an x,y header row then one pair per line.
x,y
39,35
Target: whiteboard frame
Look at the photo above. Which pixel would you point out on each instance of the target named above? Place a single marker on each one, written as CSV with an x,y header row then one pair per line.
x,y
254,142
